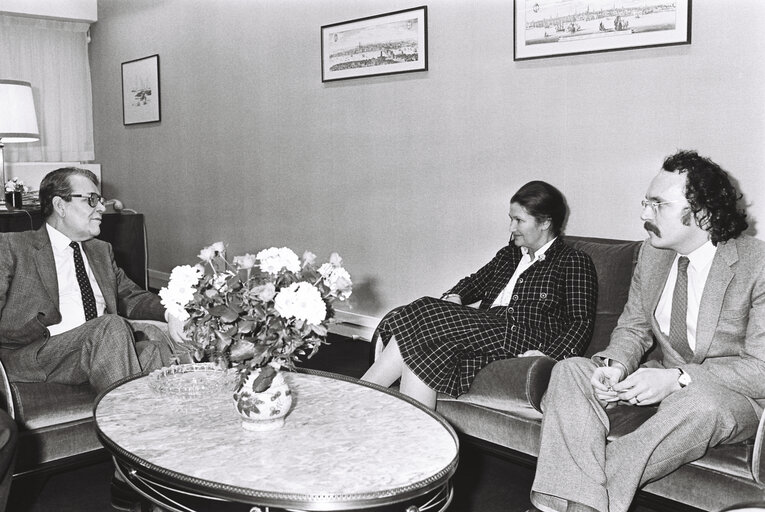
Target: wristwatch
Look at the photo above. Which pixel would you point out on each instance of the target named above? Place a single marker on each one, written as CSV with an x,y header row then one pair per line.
x,y
683,379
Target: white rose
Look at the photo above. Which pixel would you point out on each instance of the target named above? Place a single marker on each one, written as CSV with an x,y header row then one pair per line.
x,y
309,258
245,262
219,281
186,275
206,254
326,269
273,260
172,306
335,259
265,292
180,289
301,301
338,280
219,248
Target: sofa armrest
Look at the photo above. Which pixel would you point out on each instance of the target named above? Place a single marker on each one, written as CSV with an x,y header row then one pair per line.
x,y
509,383
6,400
758,453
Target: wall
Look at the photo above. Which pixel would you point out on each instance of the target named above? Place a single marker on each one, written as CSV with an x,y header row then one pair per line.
x,y
77,10
408,177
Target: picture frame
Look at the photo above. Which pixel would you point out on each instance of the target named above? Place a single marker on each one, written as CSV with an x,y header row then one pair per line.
x,y
384,44
550,28
140,91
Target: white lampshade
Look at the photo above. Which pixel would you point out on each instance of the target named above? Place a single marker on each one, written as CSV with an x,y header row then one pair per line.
x,y
18,121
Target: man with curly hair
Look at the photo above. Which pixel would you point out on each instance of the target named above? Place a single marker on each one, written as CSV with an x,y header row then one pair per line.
x,y
698,292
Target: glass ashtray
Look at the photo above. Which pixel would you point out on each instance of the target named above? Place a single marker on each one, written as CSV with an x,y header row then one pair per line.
x,y
192,380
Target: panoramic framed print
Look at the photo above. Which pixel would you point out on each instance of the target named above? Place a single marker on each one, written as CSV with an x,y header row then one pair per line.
x,y
396,42
550,28
140,91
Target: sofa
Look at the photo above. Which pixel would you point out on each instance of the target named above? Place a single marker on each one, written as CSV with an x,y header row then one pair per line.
x,y
501,410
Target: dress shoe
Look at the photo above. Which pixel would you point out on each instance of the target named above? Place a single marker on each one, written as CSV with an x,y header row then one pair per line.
x,y
124,497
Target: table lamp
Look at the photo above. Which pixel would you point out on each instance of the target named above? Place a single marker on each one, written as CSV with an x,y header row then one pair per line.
x,y
18,121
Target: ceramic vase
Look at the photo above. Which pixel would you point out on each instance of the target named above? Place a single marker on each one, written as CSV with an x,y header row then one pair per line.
x,y
265,410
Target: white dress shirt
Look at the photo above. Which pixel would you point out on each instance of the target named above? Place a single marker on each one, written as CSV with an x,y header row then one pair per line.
x,y
69,296
699,264
504,298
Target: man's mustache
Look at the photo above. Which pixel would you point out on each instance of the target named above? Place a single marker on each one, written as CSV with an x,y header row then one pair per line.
x,y
653,228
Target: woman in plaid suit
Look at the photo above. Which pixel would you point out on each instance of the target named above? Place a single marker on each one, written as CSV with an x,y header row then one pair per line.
x,y
537,296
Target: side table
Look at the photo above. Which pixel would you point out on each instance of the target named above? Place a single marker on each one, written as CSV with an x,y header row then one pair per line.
x,y
346,445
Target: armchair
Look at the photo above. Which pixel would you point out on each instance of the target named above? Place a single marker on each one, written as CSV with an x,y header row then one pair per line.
x,y
55,425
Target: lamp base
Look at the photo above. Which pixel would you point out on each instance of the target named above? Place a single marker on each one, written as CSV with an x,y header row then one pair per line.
x,y
13,200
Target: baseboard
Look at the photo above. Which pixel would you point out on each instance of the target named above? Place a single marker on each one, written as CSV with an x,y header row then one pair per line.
x,y
158,279
346,323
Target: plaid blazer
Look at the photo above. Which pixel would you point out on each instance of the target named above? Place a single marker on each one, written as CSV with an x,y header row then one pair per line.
x,y
553,303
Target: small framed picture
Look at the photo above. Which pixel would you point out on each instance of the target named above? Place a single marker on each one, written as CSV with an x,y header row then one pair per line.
x,y
396,42
140,91
550,28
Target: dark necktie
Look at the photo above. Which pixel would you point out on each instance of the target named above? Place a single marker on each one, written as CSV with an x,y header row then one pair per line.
x,y
88,300
678,329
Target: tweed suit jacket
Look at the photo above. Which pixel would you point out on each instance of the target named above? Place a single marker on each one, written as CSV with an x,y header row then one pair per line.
x,y
730,337
553,300
29,297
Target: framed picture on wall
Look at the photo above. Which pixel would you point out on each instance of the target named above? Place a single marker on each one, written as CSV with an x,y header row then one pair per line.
x,y
396,42
550,28
140,91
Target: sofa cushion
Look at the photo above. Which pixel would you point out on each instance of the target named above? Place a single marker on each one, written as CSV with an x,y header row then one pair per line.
x,y
41,404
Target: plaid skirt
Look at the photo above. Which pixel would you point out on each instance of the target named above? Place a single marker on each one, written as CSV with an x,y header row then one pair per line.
x,y
446,344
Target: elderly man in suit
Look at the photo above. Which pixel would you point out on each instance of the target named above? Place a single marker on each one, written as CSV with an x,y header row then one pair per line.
x,y
63,300
699,292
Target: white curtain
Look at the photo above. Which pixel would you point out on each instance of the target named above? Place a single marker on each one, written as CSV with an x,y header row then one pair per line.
x,y
53,57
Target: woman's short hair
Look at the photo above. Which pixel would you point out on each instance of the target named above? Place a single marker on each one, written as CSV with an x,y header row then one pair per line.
x,y
711,195
543,202
56,183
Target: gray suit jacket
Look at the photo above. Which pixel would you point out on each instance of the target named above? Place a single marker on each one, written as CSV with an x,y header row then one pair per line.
x,y
730,338
29,291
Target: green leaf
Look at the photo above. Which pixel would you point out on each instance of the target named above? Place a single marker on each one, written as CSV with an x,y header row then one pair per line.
x,y
246,326
225,313
242,350
264,379
222,342
321,330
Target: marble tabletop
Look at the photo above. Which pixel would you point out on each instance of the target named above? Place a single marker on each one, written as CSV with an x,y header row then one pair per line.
x,y
343,442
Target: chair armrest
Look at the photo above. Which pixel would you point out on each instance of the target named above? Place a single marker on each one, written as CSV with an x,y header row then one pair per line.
x,y
509,383
758,453
6,400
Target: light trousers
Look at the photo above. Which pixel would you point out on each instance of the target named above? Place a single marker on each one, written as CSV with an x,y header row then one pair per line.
x,y
576,464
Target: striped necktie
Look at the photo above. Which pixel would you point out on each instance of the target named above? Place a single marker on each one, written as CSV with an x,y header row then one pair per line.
x,y
88,300
678,328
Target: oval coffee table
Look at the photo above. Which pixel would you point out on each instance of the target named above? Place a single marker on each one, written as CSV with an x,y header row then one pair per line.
x,y
346,445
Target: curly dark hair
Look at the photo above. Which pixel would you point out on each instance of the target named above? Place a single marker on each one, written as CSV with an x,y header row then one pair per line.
x,y
712,196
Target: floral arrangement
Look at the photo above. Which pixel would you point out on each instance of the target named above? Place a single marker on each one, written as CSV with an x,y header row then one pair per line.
x,y
15,185
256,311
